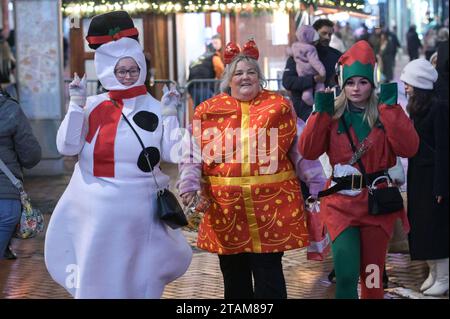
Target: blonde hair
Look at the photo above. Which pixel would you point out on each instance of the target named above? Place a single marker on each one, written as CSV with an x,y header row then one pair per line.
x,y
370,112
230,68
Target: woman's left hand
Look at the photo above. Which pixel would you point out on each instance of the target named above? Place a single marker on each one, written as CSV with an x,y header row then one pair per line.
x,y
439,199
170,100
187,197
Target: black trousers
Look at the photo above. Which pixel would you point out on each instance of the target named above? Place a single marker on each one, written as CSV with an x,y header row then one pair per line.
x,y
265,269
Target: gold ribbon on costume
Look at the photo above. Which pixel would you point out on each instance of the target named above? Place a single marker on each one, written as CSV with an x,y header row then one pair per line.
x,y
250,180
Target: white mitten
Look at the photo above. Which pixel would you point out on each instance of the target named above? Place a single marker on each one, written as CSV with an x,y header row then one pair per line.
x,y
397,173
170,100
77,90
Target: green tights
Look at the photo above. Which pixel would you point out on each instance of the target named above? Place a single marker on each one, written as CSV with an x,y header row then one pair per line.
x,y
346,259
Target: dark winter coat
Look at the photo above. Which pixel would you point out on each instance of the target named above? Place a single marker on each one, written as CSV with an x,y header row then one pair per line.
x,y
388,58
329,57
296,85
18,146
442,68
413,43
427,178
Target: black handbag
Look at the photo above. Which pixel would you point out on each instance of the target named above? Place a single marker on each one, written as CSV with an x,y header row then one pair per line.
x,y
169,210
384,200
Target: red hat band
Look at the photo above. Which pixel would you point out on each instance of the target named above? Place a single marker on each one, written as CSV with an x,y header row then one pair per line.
x,y
102,39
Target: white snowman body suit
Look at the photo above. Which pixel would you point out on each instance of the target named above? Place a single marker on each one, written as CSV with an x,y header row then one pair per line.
x,y
105,239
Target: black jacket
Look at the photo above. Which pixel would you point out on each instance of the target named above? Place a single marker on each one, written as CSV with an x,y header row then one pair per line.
x,y
443,70
329,57
413,42
202,68
428,177
296,85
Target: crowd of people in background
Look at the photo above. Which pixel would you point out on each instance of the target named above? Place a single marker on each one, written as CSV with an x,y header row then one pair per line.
x,y
386,44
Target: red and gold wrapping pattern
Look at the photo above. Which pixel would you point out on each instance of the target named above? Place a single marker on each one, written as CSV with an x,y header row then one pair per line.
x,y
256,200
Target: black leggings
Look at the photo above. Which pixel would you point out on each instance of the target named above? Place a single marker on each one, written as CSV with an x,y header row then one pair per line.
x,y
266,270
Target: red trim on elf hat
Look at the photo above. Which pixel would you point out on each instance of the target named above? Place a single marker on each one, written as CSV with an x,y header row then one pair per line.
x,y
102,39
361,51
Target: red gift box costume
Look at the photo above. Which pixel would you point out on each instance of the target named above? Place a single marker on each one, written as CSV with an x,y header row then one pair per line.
x,y
251,210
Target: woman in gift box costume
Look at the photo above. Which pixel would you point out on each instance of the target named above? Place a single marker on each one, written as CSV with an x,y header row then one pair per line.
x,y
380,131
249,168
105,239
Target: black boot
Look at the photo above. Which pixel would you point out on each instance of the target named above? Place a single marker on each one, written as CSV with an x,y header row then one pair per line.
x,y
9,253
332,276
385,279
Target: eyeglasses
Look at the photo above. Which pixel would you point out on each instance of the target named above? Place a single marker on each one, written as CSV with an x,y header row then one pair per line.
x,y
121,73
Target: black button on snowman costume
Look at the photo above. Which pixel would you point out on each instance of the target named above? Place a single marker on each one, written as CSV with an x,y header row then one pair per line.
x,y
104,239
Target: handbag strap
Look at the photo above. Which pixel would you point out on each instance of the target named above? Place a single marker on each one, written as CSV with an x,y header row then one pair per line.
x,y
16,182
146,155
361,166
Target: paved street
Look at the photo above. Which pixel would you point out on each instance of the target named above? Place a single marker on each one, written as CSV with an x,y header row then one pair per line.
x,y
27,276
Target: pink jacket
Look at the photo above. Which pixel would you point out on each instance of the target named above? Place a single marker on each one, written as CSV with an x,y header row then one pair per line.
x,y
305,53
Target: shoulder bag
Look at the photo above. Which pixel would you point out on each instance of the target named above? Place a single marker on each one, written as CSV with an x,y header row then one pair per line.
x,y
31,220
169,210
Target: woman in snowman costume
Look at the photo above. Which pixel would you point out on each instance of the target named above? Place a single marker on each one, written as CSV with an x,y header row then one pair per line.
x,y
105,239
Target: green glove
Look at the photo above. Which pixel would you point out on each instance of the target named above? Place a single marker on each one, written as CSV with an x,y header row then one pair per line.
x,y
388,93
324,102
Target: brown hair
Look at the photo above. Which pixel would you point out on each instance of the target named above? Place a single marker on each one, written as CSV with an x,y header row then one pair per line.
x,y
420,102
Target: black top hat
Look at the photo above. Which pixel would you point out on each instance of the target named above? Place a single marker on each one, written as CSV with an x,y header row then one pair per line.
x,y
110,26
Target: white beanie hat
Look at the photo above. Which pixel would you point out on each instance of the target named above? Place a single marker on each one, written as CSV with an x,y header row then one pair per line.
x,y
420,74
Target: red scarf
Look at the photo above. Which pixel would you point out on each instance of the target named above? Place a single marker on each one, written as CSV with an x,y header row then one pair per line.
x,y
106,116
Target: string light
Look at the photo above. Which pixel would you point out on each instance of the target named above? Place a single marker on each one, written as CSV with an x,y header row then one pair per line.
x,y
93,7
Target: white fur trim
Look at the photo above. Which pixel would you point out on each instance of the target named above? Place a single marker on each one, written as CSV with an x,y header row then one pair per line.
x,y
345,170
376,77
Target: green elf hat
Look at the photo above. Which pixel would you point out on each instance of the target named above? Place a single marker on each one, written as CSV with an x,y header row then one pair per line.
x,y
359,60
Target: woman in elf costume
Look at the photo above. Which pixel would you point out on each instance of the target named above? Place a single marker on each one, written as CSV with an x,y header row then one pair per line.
x,y
380,131
105,239
250,174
